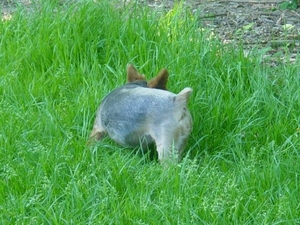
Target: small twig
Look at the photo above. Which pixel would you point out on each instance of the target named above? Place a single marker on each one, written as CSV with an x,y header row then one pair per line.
x,y
278,43
212,16
250,1
225,14
275,43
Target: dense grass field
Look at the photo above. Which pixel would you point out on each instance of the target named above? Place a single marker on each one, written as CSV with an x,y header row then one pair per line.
x,y
57,62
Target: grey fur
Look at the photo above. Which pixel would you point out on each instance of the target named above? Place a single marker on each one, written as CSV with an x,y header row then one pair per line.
x,y
133,114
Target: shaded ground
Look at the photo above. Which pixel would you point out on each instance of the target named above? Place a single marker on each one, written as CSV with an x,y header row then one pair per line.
x,y
255,23
8,6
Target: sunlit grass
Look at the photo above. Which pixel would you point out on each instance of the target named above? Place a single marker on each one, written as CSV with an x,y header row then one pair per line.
x,y
56,64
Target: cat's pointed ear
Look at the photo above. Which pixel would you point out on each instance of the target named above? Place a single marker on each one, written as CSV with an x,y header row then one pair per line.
x,y
160,81
133,74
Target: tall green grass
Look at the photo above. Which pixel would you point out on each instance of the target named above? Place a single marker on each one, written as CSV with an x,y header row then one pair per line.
x,y
56,64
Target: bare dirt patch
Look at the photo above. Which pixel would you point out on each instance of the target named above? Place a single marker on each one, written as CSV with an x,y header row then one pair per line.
x,y
254,23
8,6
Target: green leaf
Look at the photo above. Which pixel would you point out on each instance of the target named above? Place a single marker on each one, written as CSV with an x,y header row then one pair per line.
x,y
288,5
248,27
287,27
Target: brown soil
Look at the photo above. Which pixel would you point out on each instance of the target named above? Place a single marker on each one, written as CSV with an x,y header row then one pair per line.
x,y
255,23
